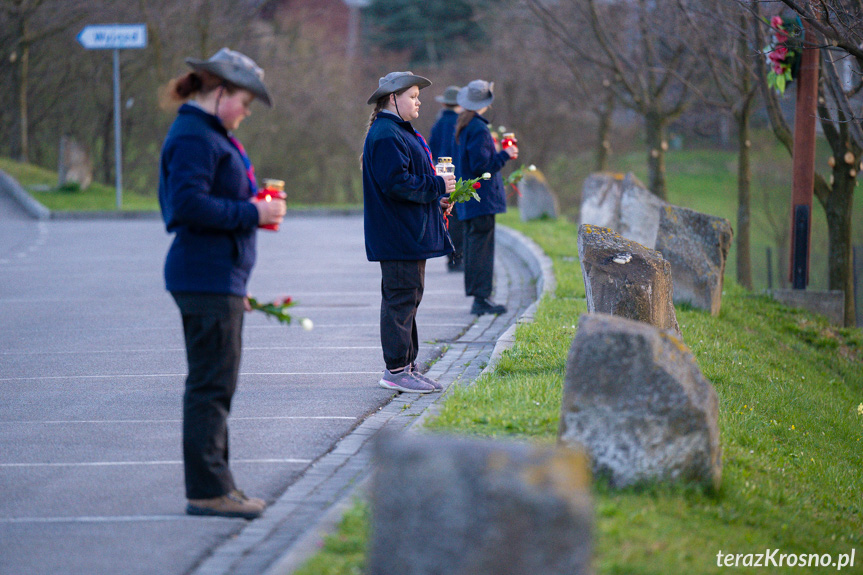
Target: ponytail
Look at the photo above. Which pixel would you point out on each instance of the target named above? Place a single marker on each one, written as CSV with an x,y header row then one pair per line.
x,y
463,120
379,105
189,85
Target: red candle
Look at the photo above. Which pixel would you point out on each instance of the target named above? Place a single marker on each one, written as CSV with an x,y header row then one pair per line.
x,y
508,140
273,189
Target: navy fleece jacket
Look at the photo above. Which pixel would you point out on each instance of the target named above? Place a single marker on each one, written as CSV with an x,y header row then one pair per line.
x,y
401,195
204,194
442,135
475,154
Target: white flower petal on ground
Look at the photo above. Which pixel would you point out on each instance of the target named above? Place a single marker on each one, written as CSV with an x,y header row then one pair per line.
x,y
307,324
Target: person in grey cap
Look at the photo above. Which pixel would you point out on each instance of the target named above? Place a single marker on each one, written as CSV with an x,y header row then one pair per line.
x,y
442,143
404,203
207,193
475,155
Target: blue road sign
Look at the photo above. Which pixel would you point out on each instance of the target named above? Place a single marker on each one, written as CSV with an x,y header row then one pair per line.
x,y
113,36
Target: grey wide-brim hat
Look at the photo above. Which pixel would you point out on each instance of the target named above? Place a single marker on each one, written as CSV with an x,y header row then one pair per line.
x,y
476,95
395,81
236,68
449,96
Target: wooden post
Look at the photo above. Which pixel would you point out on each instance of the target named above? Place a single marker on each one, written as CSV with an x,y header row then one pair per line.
x,y
803,161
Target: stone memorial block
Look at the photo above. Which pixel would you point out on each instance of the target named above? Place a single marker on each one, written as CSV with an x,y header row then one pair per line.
x,y
624,278
640,211
442,504
75,163
600,200
537,199
635,398
696,245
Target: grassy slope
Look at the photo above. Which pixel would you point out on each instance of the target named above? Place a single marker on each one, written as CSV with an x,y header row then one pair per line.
x,y
42,185
789,386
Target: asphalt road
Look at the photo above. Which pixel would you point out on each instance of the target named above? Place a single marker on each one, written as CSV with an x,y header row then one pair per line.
x,y
91,379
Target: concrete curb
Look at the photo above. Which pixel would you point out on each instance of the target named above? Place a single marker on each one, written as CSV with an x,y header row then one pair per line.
x,y
11,187
540,266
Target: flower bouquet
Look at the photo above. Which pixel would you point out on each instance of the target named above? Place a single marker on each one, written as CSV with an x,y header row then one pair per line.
x,y
516,176
784,52
466,190
278,309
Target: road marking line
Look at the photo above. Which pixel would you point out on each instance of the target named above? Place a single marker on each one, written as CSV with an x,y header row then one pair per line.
x,y
180,349
108,519
124,376
129,463
114,421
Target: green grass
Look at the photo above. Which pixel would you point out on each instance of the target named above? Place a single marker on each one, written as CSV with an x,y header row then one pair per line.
x,y
41,184
343,553
789,386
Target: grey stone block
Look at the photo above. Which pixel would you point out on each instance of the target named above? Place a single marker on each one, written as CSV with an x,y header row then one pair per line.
x,y
537,199
829,303
635,398
696,245
472,507
626,279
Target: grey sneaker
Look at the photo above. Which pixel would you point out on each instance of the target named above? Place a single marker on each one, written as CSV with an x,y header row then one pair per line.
x,y
437,386
405,382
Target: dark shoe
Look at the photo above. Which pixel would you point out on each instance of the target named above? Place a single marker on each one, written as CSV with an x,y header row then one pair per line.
x,y
437,386
405,382
482,306
233,504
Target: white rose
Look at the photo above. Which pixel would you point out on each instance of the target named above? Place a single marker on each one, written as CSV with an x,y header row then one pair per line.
x,y
486,176
307,324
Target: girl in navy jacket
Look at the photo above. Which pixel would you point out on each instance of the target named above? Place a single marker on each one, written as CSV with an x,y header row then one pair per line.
x,y
404,201
475,155
206,192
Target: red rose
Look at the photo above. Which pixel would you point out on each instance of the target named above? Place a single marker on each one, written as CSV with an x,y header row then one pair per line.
x,y
476,185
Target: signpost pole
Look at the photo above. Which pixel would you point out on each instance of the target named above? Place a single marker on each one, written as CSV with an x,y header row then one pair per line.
x,y
115,37
118,148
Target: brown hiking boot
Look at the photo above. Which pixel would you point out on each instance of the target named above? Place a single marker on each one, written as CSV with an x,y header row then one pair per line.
x,y
233,504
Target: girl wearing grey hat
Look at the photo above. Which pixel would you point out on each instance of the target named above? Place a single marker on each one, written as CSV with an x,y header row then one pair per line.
x,y
475,155
206,192
404,202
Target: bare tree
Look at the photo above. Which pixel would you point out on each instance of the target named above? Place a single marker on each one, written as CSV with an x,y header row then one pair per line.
x,y
638,43
30,22
729,46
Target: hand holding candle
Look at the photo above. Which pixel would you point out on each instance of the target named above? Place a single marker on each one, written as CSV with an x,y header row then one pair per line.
x,y
270,202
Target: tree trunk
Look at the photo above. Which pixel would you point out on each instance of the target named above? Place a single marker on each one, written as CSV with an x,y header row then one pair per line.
x,y
837,209
742,235
656,145
603,146
23,78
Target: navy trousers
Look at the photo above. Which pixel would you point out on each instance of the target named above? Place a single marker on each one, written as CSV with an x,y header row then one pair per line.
x,y
212,325
479,256
402,285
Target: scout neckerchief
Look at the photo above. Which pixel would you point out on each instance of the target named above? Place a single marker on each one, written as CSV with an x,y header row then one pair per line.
x,y
250,169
